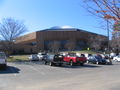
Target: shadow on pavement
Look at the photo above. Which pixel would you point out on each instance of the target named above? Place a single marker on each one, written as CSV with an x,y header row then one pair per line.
x,y
79,66
91,66
116,63
28,62
10,70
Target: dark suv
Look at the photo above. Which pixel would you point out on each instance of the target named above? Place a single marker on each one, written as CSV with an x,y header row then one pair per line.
x,y
54,59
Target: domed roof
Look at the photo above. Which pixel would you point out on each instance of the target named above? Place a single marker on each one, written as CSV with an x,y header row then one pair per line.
x,y
62,27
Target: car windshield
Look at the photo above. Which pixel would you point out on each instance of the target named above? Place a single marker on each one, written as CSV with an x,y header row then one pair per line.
x,y
98,57
34,55
92,57
72,54
43,54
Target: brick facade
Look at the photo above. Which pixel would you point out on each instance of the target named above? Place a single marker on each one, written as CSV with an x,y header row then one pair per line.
x,y
36,41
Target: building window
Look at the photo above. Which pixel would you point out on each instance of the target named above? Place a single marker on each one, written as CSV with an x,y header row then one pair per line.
x,y
32,43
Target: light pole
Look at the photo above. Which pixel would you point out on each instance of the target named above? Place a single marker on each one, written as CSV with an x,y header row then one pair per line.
x,y
108,46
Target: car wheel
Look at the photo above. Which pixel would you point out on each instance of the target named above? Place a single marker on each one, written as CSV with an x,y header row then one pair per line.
x,y
97,62
51,63
87,62
45,62
71,63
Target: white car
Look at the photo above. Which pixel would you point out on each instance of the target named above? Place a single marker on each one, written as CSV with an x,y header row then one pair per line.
x,y
112,55
117,58
87,55
3,61
33,57
41,56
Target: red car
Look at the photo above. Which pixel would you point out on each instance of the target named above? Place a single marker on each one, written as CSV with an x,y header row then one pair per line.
x,y
74,59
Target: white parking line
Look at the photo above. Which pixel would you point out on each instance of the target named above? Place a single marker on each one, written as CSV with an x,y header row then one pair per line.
x,y
36,69
57,69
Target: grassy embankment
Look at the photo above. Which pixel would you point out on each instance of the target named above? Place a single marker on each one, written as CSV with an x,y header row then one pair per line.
x,y
17,58
83,52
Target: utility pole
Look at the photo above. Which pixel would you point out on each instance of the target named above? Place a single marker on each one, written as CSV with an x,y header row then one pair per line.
x,y
108,46
108,34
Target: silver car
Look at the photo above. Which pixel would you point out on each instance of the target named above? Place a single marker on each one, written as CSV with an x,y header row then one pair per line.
x,y
41,56
33,57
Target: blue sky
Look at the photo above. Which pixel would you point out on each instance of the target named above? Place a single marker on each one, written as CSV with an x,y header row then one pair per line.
x,y
42,14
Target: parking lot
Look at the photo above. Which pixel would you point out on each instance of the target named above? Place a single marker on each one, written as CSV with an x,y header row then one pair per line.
x,y
37,76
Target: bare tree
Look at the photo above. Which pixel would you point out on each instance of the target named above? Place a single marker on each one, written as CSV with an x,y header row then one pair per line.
x,y
106,9
116,26
10,29
97,42
109,11
115,44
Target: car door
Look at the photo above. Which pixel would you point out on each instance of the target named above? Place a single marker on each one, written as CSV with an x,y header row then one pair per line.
x,y
66,58
51,57
90,58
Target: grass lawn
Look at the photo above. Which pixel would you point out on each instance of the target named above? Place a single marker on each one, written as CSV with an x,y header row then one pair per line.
x,y
17,58
83,52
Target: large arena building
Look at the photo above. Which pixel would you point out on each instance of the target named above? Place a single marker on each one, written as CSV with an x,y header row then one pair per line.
x,y
57,38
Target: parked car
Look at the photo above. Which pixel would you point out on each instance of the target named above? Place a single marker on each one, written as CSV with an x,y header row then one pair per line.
x,y
41,56
33,57
95,59
107,58
112,55
117,58
72,59
3,60
54,59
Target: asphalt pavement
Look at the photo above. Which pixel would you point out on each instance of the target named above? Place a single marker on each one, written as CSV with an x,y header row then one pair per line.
x,y
37,76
